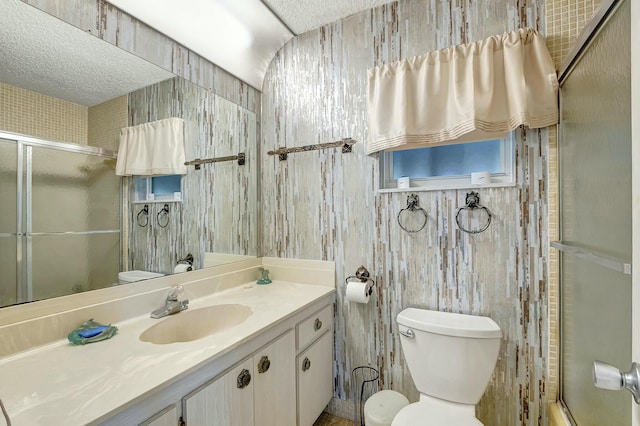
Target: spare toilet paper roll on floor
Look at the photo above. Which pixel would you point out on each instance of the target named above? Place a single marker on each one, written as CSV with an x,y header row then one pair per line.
x,y
181,267
357,292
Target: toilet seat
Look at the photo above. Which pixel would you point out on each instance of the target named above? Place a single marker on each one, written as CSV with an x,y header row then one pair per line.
x,y
424,414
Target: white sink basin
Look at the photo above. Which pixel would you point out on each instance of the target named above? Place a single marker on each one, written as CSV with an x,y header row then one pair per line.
x,y
190,325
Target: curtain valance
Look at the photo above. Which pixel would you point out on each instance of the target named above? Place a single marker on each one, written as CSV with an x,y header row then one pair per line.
x,y
465,93
152,149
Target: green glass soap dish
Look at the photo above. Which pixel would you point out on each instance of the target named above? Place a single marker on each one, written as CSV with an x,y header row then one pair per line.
x,y
90,332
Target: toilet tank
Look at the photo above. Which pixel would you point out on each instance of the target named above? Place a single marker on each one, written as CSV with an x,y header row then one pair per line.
x,y
450,356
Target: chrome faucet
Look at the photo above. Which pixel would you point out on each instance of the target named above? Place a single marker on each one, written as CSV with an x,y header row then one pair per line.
x,y
172,304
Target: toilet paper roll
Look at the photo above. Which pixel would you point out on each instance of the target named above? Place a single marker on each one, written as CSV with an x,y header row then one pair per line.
x,y
357,292
480,178
181,267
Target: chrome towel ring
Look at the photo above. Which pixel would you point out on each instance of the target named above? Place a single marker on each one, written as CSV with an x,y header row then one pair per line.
x,y
472,202
413,206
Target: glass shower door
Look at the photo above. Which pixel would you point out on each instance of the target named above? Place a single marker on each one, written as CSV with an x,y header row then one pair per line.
x,y
9,255
73,235
596,223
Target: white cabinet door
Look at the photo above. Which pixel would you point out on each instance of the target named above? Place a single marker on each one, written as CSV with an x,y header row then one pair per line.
x,y
167,417
275,383
227,401
315,379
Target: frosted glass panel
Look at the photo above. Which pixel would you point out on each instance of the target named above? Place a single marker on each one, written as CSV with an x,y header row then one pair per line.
x,y
8,224
8,278
596,325
74,192
595,184
94,263
8,185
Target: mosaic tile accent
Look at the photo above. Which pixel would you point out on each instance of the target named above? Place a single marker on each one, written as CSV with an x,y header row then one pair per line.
x,y
105,122
40,116
565,19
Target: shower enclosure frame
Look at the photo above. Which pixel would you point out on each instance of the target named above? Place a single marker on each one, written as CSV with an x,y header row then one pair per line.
x,y
606,10
24,214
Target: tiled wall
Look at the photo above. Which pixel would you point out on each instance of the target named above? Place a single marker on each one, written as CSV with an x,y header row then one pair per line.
x,y
219,211
105,121
325,204
105,21
33,114
565,19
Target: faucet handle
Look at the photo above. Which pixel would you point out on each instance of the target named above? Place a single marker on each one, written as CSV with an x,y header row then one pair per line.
x,y
175,292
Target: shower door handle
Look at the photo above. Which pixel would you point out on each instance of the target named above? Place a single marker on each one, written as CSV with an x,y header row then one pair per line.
x,y
607,376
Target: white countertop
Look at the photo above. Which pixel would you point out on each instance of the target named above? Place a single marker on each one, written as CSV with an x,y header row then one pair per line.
x,y
63,384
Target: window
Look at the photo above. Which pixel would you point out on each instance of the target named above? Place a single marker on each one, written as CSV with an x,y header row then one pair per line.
x,y
158,188
450,166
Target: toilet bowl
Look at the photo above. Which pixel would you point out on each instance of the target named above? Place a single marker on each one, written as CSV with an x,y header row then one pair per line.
x,y
451,358
133,276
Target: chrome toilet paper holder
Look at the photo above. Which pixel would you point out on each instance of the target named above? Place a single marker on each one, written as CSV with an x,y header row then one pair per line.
x,y
362,275
188,260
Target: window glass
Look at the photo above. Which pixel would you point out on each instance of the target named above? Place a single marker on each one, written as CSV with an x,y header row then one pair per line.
x,y
449,160
158,188
450,166
165,185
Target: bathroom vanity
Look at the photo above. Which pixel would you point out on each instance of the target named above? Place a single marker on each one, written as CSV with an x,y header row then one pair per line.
x,y
272,368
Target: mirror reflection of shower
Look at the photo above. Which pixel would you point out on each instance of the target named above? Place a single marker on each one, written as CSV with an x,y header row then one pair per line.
x,y
60,232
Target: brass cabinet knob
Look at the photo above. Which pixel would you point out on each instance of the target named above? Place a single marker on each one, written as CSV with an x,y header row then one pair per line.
x,y
244,378
306,364
317,325
264,364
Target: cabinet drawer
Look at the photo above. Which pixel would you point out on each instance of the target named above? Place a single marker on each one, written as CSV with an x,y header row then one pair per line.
x,y
315,379
314,326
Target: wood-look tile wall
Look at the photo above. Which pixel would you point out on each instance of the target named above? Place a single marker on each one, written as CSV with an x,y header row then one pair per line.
x,y
107,22
325,204
195,224
219,211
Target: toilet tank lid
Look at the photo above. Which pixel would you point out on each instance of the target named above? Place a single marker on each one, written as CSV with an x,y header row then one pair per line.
x,y
450,324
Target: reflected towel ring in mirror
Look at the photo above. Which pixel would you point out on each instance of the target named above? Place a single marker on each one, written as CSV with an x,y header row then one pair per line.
x,y
412,206
165,210
144,211
472,201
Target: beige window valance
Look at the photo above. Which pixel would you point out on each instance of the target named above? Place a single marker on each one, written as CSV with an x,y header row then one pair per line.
x,y
152,149
465,93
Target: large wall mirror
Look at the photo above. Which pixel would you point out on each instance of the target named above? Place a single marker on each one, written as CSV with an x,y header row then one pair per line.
x,y
67,223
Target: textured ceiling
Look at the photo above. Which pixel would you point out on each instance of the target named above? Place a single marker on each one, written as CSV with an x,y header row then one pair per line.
x,y
304,15
45,55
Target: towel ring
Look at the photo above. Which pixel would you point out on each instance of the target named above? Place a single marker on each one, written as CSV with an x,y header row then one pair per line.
x,y
165,209
472,201
412,206
145,211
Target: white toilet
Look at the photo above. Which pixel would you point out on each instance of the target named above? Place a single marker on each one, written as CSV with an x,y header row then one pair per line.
x,y
451,358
